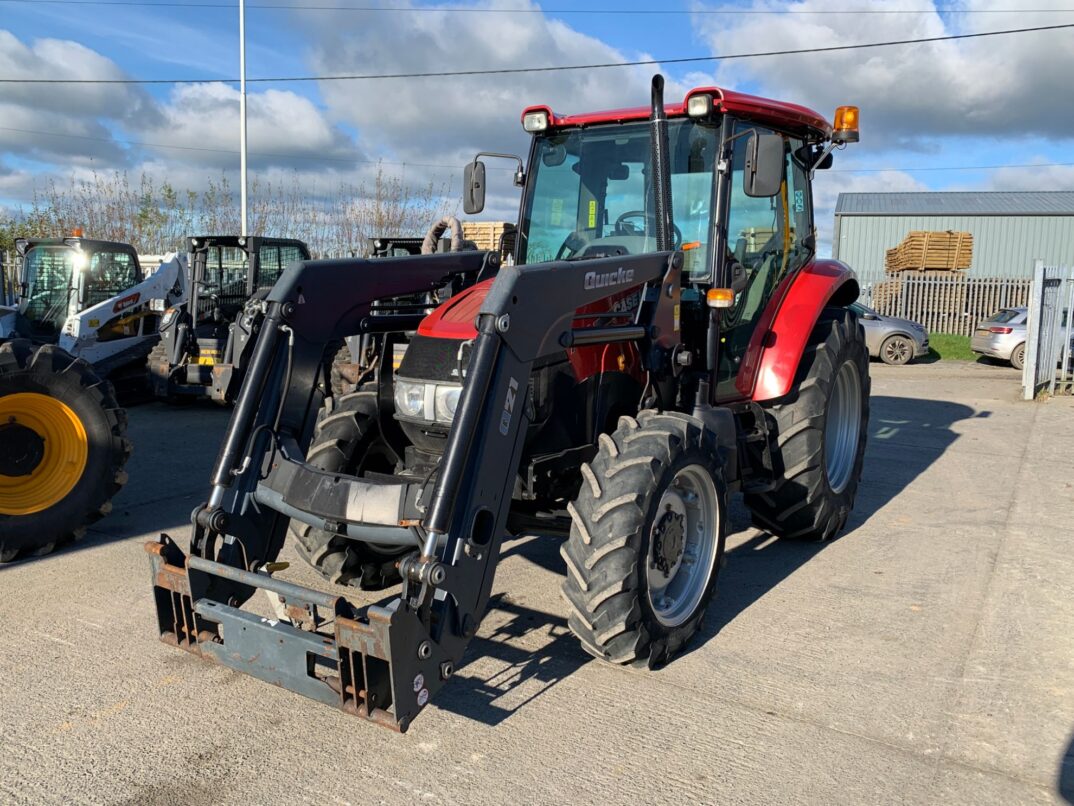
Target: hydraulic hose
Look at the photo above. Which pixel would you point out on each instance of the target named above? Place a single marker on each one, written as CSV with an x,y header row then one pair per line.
x,y
436,232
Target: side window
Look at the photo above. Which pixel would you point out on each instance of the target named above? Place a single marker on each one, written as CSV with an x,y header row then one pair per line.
x,y
110,273
765,237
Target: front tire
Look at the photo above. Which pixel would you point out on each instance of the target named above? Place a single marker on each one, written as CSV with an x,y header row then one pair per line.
x,y
62,448
347,440
896,350
818,435
647,539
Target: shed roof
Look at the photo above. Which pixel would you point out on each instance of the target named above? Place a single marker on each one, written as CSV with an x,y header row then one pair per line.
x,y
1050,203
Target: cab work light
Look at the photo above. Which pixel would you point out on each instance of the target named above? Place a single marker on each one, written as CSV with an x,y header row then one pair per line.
x,y
699,106
535,121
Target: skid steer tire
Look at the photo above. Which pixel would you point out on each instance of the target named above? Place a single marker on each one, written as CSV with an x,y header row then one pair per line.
x,y
816,479
345,437
158,367
62,448
630,540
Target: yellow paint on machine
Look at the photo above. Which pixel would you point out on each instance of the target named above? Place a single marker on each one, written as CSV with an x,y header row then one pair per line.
x,y
398,351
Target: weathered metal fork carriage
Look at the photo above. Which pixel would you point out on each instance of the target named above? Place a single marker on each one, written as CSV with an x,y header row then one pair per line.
x,y
618,391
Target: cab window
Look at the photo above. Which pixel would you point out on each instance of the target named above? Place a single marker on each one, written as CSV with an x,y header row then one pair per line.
x,y
109,274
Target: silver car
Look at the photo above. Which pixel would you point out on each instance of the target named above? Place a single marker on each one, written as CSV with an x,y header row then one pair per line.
x,y
891,339
1003,336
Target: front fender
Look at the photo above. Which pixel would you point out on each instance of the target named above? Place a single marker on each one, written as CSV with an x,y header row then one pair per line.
x,y
793,316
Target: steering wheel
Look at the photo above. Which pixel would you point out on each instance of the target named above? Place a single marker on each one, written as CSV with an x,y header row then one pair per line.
x,y
624,227
571,245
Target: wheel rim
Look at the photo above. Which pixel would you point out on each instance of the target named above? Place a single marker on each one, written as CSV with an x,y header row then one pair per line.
x,y
897,350
682,545
842,427
43,454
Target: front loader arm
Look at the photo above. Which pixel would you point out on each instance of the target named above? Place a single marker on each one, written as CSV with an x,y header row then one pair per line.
x,y
386,664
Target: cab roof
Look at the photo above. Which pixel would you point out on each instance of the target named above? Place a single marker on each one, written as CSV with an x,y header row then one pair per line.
x,y
88,244
779,114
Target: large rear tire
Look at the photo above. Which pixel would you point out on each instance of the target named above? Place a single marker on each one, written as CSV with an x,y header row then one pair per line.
x,y
347,440
647,539
62,448
818,439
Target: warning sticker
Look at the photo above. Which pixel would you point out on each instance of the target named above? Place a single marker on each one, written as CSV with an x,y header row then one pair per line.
x,y
592,222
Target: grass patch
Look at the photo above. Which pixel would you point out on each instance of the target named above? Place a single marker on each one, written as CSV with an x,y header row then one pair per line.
x,y
948,347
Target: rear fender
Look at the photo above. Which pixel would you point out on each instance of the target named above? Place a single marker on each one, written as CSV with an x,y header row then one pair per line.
x,y
793,315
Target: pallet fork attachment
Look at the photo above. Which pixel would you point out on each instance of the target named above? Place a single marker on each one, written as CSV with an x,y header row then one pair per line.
x,y
386,663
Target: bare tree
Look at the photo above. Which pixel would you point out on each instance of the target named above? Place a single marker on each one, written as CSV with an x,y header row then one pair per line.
x,y
155,216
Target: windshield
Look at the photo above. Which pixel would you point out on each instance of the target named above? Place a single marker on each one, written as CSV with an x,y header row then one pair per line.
x,y
590,193
48,272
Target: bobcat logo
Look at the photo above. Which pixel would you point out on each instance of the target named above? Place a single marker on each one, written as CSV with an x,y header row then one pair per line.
x,y
127,302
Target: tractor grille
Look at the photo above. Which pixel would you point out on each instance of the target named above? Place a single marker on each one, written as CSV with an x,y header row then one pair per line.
x,y
433,359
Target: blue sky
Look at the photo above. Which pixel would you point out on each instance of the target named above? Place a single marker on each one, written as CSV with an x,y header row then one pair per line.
x,y
938,107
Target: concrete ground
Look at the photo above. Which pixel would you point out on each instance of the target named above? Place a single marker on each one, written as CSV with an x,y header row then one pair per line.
x,y
926,656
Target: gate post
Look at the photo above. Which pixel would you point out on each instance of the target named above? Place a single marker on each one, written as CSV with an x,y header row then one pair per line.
x,y
1029,369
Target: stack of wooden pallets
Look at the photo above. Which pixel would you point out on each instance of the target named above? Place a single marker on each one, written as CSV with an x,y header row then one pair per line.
x,y
487,234
931,251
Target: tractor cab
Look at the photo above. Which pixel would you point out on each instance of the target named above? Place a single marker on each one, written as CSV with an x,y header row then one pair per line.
x,y
61,277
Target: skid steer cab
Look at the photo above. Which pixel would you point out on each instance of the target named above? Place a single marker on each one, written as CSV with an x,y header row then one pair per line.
x,y
206,341
664,337
92,299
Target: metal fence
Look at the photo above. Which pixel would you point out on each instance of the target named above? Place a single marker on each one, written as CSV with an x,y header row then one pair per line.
x,y
947,303
1049,364
7,278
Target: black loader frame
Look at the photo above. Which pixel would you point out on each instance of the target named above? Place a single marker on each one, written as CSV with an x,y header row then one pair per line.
x,y
384,666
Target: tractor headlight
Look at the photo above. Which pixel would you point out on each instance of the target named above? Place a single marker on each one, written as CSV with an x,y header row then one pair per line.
x,y
447,400
157,305
409,398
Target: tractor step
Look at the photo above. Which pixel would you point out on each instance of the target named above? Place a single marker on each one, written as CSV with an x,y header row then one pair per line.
x,y
351,667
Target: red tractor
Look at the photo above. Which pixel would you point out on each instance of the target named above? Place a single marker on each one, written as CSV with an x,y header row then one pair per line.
x,y
664,337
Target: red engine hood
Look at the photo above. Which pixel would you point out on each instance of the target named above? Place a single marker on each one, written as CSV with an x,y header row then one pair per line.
x,y
455,318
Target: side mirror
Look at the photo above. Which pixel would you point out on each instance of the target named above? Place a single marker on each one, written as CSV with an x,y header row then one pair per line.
x,y
763,171
869,317
473,192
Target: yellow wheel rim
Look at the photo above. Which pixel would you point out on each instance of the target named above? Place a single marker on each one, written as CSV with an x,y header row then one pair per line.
x,y
43,452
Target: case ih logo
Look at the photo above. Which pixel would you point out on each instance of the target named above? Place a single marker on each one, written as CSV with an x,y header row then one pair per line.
x,y
126,302
618,277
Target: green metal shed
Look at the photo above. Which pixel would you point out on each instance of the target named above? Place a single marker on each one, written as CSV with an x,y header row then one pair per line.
x,y
1010,229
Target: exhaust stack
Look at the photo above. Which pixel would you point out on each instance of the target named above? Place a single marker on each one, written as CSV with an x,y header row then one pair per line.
x,y
661,169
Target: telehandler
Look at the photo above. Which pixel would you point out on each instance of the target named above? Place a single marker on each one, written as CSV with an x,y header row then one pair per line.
x,y
665,337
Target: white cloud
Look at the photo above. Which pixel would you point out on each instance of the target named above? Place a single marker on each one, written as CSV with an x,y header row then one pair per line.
x,y
282,127
448,119
1007,86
